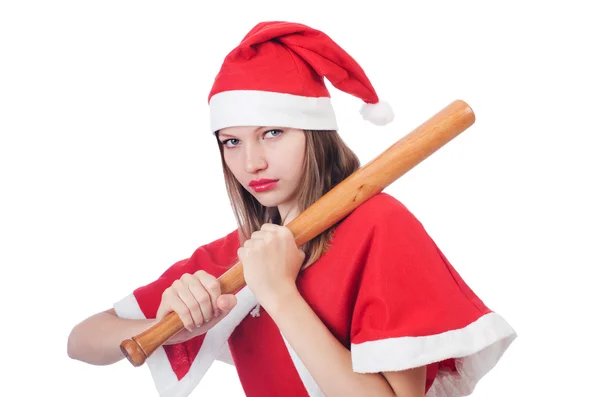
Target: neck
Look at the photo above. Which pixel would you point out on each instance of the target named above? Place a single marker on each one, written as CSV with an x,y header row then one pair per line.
x,y
288,213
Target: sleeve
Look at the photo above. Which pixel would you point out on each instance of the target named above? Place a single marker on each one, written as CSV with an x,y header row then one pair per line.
x,y
178,368
413,309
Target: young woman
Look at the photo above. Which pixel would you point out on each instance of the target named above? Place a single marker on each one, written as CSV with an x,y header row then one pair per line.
x,y
371,307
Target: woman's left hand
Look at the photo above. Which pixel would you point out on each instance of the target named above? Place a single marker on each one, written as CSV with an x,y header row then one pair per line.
x,y
271,262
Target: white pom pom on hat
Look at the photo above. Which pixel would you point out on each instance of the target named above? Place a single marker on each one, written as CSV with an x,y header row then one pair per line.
x,y
275,77
380,113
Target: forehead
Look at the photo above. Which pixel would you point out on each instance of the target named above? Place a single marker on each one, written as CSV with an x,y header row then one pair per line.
x,y
240,131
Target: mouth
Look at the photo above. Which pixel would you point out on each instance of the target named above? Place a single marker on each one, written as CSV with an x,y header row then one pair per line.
x,y
263,186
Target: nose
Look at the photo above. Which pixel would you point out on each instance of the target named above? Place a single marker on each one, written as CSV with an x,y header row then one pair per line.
x,y
255,159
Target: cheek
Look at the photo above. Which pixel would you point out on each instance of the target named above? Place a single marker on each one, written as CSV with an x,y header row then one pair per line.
x,y
295,161
234,166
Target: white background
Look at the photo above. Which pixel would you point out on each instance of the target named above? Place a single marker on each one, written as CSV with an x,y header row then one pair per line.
x,y
109,173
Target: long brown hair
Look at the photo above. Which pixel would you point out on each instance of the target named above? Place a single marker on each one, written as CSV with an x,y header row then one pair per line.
x,y
327,162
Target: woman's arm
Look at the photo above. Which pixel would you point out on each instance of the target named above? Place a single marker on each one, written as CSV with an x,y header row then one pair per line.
x,y
97,339
271,264
327,360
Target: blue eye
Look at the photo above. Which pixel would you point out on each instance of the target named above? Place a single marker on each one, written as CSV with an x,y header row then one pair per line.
x,y
279,132
228,140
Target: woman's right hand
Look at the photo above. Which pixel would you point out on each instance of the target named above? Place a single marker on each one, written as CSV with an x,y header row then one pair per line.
x,y
197,299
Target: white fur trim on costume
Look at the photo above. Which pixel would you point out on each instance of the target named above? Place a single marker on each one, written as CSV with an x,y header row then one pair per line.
x,y
380,113
263,108
256,311
213,347
478,347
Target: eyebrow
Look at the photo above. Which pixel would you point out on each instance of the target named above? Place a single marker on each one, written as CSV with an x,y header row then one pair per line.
x,y
231,136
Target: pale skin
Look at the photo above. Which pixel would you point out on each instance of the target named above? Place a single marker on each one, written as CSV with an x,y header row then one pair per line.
x,y
271,264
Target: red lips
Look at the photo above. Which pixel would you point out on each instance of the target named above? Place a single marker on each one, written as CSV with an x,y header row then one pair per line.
x,y
263,185
262,181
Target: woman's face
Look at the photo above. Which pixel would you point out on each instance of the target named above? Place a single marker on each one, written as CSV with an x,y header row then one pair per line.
x,y
274,153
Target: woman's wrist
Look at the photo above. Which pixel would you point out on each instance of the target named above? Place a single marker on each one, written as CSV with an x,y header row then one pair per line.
x,y
279,300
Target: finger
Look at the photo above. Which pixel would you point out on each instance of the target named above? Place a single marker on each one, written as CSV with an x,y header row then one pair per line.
x,y
255,242
263,234
172,297
270,227
190,300
226,302
283,231
212,286
203,298
277,230
254,238
164,308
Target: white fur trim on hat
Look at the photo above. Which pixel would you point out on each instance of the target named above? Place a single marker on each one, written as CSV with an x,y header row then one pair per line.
x,y
265,108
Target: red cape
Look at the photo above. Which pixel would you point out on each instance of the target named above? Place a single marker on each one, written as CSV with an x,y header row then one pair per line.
x,y
385,291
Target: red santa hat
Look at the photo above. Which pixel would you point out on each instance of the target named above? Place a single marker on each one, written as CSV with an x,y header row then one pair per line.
x,y
274,77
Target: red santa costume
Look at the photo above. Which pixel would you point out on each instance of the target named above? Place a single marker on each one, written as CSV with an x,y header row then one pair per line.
x,y
384,289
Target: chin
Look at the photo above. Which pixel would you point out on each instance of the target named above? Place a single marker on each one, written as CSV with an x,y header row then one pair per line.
x,y
270,199
268,202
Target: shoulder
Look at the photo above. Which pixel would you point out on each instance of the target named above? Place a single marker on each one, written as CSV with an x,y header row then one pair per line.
x,y
221,252
381,215
229,241
214,257
382,207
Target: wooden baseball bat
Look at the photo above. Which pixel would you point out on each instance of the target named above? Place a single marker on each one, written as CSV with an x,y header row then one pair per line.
x,y
363,184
